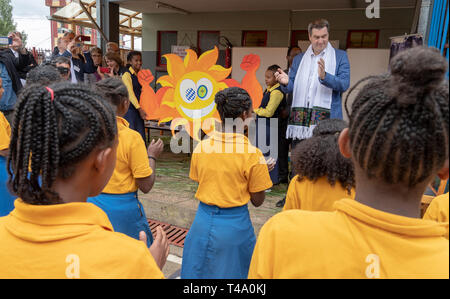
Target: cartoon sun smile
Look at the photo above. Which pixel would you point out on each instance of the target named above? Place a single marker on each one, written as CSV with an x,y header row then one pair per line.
x,y
194,95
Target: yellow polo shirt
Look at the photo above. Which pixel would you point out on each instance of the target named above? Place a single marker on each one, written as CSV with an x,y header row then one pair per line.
x,y
132,161
74,240
438,210
276,97
314,196
355,241
228,168
5,132
128,81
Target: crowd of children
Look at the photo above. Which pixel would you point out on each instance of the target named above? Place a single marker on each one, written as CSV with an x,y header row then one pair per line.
x,y
352,210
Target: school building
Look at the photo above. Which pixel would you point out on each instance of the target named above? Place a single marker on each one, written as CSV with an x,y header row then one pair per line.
x,y
203,24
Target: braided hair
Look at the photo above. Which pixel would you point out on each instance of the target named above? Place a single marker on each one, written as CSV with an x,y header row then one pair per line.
x,y
113,90
319,156
399,125
45,74
232,102
49,137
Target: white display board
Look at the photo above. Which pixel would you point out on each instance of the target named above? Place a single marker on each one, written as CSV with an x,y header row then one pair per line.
x,y
364,63
268,56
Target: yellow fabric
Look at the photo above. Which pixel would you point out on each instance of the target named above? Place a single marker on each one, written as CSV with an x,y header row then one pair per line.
x,y
355,241
228,168
132,161
276,97
438,210
5,132
314,196
126,78
74,240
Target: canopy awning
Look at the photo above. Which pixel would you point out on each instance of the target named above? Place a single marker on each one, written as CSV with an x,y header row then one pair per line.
x,y
130,22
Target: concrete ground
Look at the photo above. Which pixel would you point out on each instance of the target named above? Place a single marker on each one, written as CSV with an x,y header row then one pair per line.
x,y
172,200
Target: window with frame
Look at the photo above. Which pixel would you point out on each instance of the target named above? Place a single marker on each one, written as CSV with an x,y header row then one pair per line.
x,y
254,38
363,38
166,39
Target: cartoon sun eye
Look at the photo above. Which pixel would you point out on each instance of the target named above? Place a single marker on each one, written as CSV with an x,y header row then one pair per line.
x,y
188,91
205,89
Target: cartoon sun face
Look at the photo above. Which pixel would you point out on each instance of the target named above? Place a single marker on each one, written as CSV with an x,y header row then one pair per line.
x,y
191,86
194,95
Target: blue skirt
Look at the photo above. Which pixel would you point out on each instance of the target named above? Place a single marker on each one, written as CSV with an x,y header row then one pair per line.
x,y
6,198
219,244
125,212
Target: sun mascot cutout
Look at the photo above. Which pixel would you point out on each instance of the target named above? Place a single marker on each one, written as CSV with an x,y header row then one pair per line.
x,y
188,91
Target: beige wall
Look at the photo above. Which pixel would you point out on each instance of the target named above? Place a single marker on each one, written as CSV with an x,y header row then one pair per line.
x,y
392,22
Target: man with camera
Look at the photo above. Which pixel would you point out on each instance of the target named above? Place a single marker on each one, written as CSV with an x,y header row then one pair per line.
x,y
72,47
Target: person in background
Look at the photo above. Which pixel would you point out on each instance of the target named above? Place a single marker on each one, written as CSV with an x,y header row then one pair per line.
x,y
112,47
62,63
11,83
135,115
97,61
81,61
115,65
324,176
25,60
271,105
317,79
285,143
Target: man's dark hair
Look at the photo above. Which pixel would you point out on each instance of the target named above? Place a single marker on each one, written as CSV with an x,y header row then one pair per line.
x,y
318,24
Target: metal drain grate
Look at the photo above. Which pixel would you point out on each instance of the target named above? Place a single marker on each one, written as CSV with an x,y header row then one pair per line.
x,y
175,234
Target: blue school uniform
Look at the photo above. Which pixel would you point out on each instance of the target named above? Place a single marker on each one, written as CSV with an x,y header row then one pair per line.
x,y
268,95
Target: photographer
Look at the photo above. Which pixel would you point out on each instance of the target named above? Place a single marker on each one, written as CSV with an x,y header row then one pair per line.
x,y
10,81
24,61
81,59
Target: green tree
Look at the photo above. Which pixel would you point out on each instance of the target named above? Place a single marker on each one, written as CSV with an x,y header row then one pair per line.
x,y
7,23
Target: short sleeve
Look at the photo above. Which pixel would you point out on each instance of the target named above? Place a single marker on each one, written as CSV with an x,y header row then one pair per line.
x,y
258,173
139,163
193,172
292,196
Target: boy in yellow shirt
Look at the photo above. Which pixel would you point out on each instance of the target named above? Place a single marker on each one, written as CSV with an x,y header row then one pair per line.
x,y
397,140
323,175
135,169
230,173
52,232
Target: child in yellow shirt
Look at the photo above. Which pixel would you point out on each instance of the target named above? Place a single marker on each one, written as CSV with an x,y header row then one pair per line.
x,y
135,169
220,242
7,202
273,102
398,141
68,137
324,176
